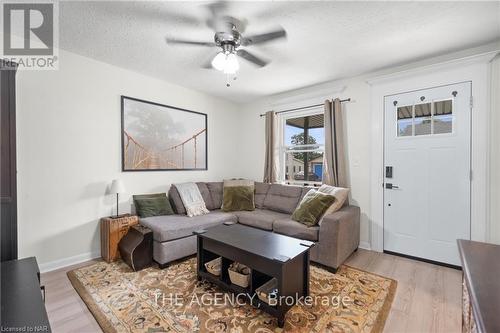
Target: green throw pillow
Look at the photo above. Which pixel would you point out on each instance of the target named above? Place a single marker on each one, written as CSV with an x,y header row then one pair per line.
x,y
312,207
148,205
238,195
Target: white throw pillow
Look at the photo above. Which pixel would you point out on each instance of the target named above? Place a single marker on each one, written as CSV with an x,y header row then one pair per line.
x,y
340,193
192,199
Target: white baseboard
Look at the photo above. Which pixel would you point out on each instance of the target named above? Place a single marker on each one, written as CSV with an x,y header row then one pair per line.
x,y
365,245
60,263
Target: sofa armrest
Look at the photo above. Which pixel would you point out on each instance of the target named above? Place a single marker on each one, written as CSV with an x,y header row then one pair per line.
x,y
339,232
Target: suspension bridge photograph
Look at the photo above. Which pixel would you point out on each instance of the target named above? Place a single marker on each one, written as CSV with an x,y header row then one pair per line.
x,y
162,137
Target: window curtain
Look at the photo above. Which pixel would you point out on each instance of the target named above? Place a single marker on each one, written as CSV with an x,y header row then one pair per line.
x,y
334,171
271,158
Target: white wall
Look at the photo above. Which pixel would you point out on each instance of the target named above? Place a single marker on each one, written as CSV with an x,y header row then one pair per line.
x,y
69,150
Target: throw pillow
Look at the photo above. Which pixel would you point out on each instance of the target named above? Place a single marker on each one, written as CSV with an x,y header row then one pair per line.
x,y
339,193
192,199
312,207
238,194
148,205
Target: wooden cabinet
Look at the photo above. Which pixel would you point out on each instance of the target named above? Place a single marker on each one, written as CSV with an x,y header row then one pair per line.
x,y
112,230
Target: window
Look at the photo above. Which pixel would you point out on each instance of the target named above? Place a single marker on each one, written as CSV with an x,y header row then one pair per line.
x,y
425,118
405,120
443,117
302,147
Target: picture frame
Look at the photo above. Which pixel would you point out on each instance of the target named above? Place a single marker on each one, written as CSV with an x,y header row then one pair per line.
x,y
160,137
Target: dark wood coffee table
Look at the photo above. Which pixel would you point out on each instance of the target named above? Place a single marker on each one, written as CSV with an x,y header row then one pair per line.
x,y
269,255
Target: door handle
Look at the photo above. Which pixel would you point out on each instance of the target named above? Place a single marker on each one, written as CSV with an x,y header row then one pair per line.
x,y
391,186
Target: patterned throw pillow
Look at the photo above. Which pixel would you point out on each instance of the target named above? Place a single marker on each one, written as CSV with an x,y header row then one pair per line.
x,y
148,205
340,193
238,195
312,207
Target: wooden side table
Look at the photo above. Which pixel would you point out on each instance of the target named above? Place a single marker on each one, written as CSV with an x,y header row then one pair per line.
x,y
112,230
136,247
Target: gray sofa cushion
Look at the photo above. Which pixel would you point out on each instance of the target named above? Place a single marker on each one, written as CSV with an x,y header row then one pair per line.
x,y
171,227
296,229
260,218
216,190
261,190
207,197
282,198
175,200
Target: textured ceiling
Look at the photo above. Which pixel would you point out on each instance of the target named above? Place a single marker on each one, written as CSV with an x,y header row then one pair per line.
x,y
326,40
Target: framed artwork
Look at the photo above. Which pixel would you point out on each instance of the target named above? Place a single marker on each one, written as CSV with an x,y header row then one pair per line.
x,y
157,137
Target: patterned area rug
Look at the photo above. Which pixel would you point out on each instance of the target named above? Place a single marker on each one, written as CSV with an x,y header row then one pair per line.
x,y
172,300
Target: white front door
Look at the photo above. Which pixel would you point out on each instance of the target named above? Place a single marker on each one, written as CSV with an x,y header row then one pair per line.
x,y
427,172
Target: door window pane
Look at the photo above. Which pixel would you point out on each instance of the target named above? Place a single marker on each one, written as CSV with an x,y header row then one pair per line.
x,y
443,117
423,119
443,107
405,120
422,110
423,126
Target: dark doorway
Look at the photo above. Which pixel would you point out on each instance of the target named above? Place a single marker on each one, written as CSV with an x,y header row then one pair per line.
x,y
8,182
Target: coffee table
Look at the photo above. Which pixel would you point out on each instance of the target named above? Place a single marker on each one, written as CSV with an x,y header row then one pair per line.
x,y
269,255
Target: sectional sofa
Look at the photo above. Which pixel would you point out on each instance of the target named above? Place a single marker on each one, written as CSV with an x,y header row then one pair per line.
x,y
336,236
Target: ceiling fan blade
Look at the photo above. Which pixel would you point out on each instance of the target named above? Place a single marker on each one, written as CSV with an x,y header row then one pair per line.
x,y
252,58
173,41
262,38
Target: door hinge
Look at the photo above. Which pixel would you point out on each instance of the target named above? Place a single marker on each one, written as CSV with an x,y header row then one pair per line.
x,y
471,101
470,175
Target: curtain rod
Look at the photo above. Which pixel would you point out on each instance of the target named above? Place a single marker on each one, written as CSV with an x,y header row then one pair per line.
x,y
306,107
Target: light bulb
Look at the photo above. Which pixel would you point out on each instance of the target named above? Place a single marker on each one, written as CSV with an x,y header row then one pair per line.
x,y
219,61
232,64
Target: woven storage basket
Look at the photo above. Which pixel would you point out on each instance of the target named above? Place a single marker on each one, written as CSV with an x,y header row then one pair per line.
x,y
239,274
264,291
214,266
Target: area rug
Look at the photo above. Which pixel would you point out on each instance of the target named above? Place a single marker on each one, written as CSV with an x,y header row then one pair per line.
x,y
172,300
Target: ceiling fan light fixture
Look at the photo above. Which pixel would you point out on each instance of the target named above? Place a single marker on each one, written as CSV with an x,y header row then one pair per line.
x,y
219,61
232,64
226,62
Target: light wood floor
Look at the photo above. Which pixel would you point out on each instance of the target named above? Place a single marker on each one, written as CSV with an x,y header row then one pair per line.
x,y
428,297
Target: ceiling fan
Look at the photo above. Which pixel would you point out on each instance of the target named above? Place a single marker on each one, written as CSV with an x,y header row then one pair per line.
x,y
229,38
